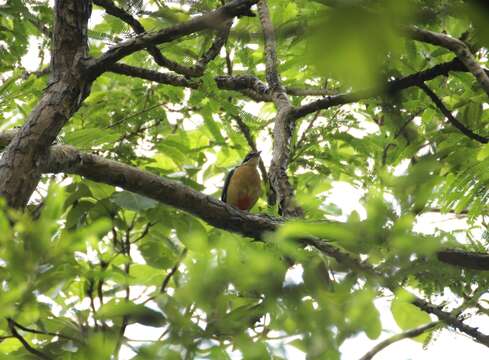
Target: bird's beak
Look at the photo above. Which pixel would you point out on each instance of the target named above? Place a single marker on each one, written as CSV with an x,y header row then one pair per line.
x,y
258,153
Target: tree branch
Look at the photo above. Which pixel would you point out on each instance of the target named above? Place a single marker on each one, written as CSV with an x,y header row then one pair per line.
x,y
66,159
40,332
151,75
465,259
284,124
457,46
407,334
213,19
390,87
160,59
25,344
439,104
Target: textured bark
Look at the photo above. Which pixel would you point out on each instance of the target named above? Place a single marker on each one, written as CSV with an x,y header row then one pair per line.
x,y
212,20
20,164
457,46
284,124
390,87
160,59
66,159
71,75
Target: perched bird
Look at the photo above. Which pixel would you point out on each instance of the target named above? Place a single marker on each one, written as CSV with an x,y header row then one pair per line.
x,y
242,185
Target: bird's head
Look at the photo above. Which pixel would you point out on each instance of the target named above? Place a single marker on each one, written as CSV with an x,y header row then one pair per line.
x,y
252,158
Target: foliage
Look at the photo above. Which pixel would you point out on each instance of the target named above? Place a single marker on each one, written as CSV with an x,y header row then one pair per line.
x,y
89,262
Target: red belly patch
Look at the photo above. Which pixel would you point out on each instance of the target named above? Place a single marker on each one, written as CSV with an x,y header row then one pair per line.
x,y
244,203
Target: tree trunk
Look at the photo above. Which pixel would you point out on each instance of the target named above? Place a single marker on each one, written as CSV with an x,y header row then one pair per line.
x,y
20,165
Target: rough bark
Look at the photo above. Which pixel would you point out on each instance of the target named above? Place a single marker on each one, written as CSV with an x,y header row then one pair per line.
x,y
457,46
284,124
71,75
20,164
160,59
66,159
211,20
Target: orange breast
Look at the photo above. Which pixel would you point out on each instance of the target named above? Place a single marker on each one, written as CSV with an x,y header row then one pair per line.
x,y
244,188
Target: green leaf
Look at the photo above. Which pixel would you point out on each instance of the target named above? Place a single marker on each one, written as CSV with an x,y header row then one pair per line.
x,y
408,316
157,253
132,201
136,313
472,113
88,138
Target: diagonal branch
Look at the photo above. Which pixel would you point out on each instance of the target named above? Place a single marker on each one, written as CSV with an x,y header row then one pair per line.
x,y
405,335
439,104
455,45
213,19
284,124
66,159
25,344
160,59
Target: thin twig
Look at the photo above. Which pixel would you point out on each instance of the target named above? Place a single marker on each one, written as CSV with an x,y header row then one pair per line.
x,y
172,271
439,104
27,346
40,332
407,334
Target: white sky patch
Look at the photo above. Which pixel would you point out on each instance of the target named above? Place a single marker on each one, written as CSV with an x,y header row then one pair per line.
x,y
32,60
347,198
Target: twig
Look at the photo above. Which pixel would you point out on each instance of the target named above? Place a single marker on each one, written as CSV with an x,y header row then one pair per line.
x,y
252,144
172,272
34,331
461,127
407,334
160,59
27,346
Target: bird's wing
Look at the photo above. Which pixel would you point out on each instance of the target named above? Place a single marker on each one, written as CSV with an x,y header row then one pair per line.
x,y
226,184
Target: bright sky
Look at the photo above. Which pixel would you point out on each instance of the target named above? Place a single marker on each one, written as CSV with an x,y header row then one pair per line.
x,y
447,345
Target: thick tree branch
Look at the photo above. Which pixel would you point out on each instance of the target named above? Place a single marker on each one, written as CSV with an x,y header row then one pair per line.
x,y
405,335
465,259
210,20
284,124
160,59
457,46
439,104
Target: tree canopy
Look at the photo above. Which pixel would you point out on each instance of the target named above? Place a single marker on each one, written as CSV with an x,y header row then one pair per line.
x,y
115,146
